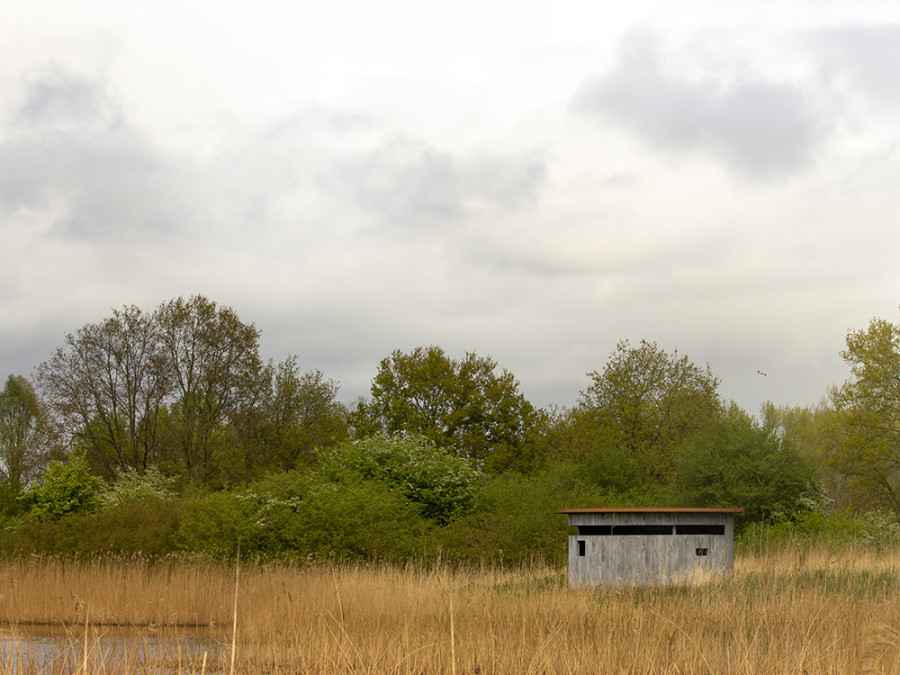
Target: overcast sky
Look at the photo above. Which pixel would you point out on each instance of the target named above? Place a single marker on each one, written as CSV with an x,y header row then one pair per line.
x,y
526,180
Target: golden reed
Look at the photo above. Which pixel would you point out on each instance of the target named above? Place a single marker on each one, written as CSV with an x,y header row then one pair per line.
x,y
792,611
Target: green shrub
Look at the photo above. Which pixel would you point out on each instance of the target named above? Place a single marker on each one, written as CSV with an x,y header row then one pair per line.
x,y
616,470
444,486
361,520
213,523
303,515
146,528
65,488
836,529
516,515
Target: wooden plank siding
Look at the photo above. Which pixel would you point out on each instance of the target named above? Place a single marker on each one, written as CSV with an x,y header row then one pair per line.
x,y
632,558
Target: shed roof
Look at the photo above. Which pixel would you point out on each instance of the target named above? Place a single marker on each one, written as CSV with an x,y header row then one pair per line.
x,y
653,510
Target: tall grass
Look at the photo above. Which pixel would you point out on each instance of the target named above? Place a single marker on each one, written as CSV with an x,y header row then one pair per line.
x,y
795,610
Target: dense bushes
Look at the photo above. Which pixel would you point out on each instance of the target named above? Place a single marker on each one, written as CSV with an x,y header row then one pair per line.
x,y
515,518
304,516
313,516
441,485
836,529
145,526
177,437
65,489
374,499
400,498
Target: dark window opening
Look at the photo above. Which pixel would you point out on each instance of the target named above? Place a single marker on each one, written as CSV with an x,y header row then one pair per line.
x,y
702,551
594,529
623,530
699,529
581,548
642,529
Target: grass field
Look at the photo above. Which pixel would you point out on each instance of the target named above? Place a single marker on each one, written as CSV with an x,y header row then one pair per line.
x,y
793,611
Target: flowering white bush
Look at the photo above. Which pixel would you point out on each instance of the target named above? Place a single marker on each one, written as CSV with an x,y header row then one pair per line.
x,y
132,486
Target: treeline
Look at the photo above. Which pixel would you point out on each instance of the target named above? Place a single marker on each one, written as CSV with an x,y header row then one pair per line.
x,y
166,431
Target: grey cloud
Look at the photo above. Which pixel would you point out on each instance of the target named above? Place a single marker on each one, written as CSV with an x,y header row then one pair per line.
x,y
757,128
508,182
869,56
407,182
59,97
70,153
101,184
404,181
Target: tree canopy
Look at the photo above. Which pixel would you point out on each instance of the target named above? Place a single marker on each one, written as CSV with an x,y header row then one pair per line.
x,y
108,383
25,437
184,389
217,376
173,424
464,405
736,462
646,402
302,414
869,404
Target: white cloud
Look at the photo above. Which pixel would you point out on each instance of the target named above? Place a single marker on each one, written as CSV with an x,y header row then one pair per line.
x,y
357,178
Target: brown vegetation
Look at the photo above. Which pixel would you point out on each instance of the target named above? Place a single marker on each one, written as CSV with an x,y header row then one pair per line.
x,y
795,611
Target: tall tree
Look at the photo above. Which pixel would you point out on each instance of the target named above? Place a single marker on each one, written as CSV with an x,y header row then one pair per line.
x,y
737,462
218,377
170,388
647,402
463,405
109,382
869,404
817,433
24,436
303,415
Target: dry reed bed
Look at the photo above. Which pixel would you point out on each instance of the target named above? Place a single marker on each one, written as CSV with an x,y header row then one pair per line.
x,y
791,612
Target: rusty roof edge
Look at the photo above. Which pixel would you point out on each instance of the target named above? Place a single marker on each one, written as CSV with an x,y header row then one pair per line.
x,y
650,510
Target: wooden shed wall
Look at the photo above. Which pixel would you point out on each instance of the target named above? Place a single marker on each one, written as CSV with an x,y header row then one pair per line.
x,y
644,560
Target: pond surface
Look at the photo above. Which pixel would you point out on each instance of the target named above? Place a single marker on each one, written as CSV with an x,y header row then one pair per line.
x,y
110,649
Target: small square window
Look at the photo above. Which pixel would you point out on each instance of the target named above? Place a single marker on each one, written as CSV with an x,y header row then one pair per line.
x,y
702,551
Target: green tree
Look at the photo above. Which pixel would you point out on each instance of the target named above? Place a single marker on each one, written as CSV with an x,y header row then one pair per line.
x,y
869,404
24,437
647,402
218,380
735,462
363,419
108,384
462,405
174,388
302,415
816,432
